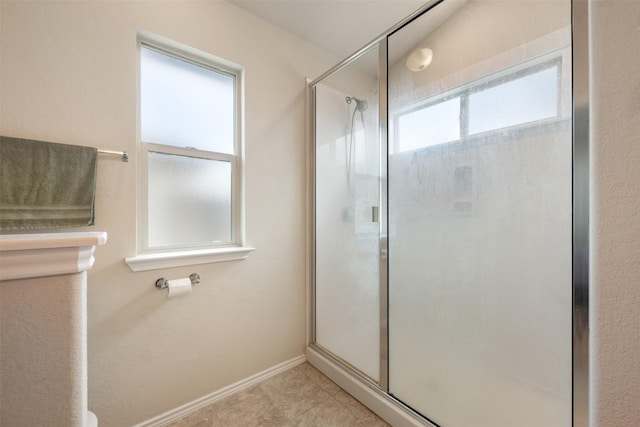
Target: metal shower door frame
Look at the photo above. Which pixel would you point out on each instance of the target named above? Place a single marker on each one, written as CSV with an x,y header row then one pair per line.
x,y
580,208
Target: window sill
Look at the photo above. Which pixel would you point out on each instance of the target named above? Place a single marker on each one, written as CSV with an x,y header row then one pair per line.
x,y
179,259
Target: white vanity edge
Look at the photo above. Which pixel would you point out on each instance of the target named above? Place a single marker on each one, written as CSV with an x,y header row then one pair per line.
x,y
24,256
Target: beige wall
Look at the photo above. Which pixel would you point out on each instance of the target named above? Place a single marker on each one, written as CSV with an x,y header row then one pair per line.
x,y
615,213
68,74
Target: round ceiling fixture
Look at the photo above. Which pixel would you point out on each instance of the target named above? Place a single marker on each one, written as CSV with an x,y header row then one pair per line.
x,y
419,59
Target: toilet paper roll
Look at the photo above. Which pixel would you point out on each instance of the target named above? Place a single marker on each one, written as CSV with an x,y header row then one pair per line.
x,y
178,287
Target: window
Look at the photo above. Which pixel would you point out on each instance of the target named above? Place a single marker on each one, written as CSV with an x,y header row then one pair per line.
x,y
190,201
418,130
519,98
526,99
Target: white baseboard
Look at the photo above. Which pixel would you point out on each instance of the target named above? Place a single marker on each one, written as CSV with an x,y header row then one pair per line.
x,y
382,404
188,408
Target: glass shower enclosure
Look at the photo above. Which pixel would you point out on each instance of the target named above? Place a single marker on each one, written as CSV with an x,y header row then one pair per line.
x,y
347,219
444,217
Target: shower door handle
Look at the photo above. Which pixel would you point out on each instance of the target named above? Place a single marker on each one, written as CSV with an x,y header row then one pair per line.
x,y
374,214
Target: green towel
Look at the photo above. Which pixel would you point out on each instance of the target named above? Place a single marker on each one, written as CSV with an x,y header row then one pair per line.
x,y
45,185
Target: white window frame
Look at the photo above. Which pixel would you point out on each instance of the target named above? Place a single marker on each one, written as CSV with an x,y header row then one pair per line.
x,y
148,258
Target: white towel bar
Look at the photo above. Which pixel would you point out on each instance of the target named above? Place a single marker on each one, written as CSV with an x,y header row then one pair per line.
x,y
124,154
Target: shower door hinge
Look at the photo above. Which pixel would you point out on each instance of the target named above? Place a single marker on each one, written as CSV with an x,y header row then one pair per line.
x,y
374,214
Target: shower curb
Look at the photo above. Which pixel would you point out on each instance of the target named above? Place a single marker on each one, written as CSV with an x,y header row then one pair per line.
x,y
380,403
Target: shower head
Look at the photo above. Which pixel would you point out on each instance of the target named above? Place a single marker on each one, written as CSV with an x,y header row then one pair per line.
x,y
361,104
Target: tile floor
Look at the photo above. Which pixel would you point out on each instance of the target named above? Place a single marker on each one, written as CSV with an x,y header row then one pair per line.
x,y
301,396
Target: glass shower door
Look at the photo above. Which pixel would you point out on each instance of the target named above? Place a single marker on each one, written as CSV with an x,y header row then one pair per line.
x,y
347,199
480,214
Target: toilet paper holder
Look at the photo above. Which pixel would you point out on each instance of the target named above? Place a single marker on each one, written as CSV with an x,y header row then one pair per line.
x,y
161,283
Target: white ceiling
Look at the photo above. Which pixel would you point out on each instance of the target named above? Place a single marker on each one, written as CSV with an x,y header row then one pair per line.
x,y
341,27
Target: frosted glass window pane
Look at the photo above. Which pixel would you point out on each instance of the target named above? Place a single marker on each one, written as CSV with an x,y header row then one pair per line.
x,y
186,105
432,125
527,99
189,201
